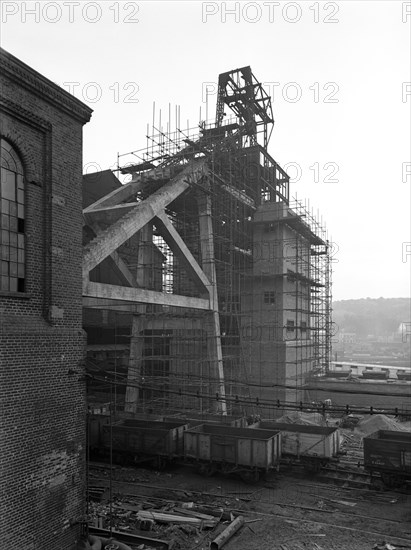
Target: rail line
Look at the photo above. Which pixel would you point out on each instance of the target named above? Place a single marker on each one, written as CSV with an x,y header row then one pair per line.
x,y
339,476
224,496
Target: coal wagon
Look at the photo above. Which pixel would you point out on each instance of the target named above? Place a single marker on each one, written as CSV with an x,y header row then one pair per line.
x,y
95,425
137,441
388,453
229,450
196,419
312,446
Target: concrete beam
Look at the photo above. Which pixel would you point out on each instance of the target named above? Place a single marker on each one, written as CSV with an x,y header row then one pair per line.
x,y
119,263
208,261
90,302
134,364
143,256
180,249
109,214
118,233
142,295
117,196
239,195
174,323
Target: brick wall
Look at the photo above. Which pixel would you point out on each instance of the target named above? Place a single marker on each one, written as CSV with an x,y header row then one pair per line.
x,y
42,402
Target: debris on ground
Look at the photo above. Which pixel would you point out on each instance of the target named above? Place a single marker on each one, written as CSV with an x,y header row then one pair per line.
x,y
159,517
137,509
228,533
297,417
177,522
384,546
373,423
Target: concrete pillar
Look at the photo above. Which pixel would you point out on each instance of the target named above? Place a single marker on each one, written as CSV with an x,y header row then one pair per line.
x,y
208,264
135,363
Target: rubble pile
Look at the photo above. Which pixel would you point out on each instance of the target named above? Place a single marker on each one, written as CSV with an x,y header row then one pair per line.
x,y
184,524
297,417
371,424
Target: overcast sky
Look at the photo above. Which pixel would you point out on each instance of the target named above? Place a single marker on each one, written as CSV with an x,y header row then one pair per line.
x,y
337,73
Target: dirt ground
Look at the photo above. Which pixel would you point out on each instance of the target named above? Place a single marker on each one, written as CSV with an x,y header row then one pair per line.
x,y
284,512
289,510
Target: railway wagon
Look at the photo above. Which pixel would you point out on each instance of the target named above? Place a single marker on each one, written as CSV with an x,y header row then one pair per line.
x,y
388,452
233,450
313,446
96,421
139,441
193,420
95,426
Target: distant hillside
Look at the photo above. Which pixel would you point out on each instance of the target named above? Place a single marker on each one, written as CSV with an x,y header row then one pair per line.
x,y
380,317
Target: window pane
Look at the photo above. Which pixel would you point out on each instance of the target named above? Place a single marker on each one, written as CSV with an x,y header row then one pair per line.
x,y
21,285
13,254
5,252
4,268
13,284
20,256
13,209
15,157
5,237
20,241
20,196
5,221
20,181
4,283
13,269
6,145
20,211
13,239
13,223
8,185
20,271
5,206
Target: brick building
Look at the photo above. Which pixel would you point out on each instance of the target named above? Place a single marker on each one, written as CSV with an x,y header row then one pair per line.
x,y
42,403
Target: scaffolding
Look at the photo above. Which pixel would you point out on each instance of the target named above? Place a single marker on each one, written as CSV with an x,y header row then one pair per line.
x,y
266,256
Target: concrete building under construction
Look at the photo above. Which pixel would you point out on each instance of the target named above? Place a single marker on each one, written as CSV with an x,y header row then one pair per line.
x,y
205,286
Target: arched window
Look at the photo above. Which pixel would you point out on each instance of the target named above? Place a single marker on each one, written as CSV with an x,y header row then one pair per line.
x,y
12,256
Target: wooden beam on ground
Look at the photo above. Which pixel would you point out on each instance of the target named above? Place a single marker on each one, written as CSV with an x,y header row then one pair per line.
x,y
114,236
142,295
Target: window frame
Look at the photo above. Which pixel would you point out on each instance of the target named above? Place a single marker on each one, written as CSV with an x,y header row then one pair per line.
x,y
269,297
13,229
290,325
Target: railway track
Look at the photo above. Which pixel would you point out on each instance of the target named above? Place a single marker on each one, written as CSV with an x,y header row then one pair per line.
x,y
343,476
340,476
265,498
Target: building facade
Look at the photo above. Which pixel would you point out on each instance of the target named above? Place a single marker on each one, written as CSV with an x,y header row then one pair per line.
x,y
42,403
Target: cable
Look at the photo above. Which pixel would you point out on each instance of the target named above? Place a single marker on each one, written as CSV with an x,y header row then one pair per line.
x,y
237,400
240,384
